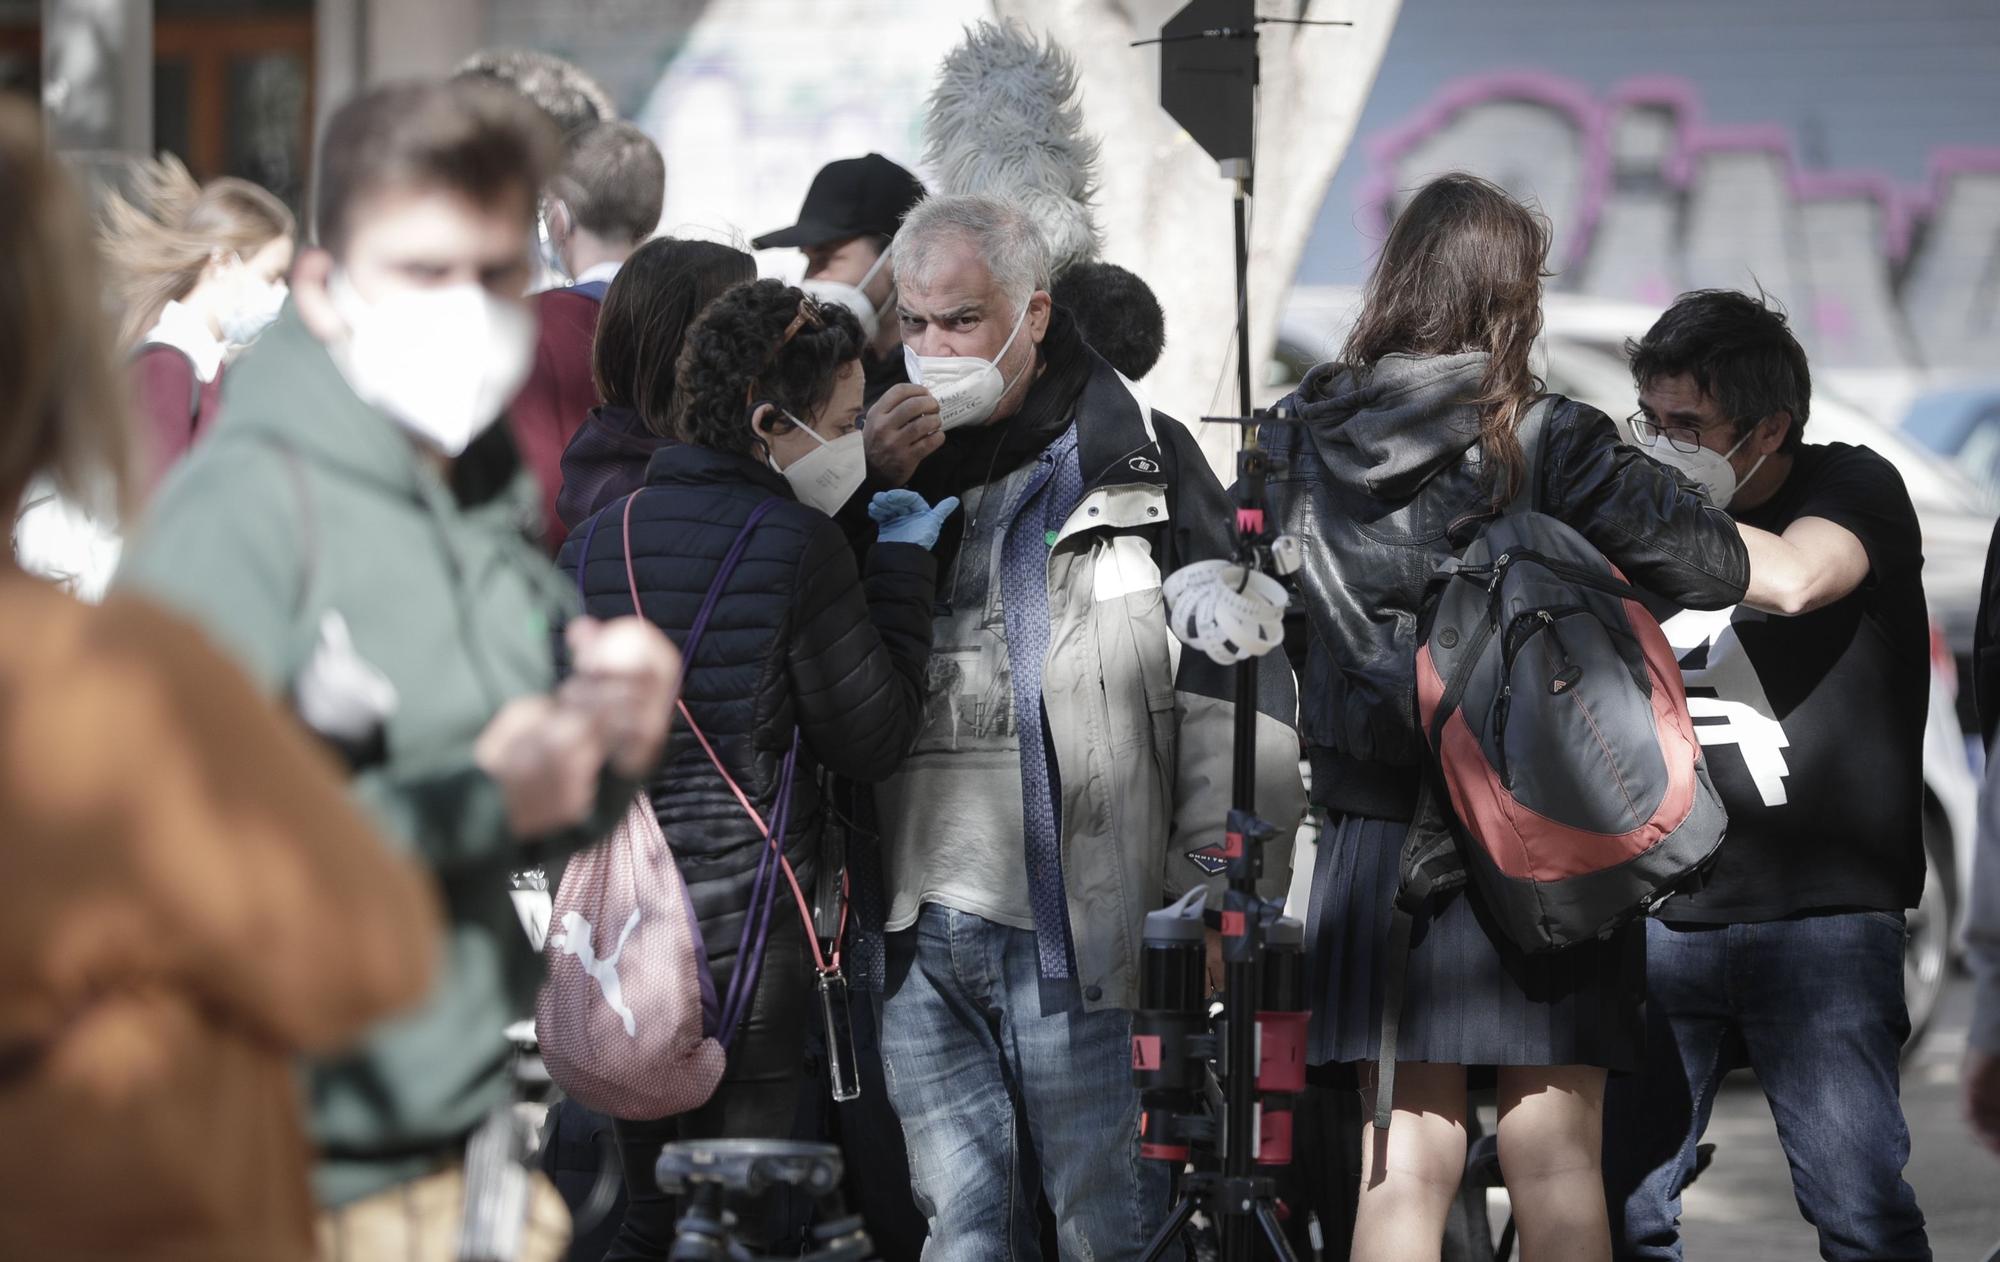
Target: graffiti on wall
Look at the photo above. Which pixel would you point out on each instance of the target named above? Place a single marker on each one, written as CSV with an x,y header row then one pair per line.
x,y
1646,199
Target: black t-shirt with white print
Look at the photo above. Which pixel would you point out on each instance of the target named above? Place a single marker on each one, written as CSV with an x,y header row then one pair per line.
x,y
1813,726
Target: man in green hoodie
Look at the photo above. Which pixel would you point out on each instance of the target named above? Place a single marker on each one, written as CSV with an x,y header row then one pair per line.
x,y
353,530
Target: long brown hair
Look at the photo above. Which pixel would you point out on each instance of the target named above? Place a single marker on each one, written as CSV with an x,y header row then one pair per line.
x,y
159,245
1462,271
62,403
657,296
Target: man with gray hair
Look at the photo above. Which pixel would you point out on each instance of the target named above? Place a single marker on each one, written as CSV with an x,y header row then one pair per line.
x,y
1079,775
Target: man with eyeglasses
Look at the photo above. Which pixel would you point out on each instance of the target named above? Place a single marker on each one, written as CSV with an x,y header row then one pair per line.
x,y
1810,700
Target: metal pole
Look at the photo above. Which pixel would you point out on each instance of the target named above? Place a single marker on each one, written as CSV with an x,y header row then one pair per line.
x,y
1239,1231
1238,171
1245,982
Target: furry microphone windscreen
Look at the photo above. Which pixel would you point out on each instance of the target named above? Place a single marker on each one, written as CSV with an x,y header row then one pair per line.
x,y
1116,313
1005,118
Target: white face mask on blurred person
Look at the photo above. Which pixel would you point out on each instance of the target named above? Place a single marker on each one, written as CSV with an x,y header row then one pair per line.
x,y
252,304
827,476
853,297
966,387
441,362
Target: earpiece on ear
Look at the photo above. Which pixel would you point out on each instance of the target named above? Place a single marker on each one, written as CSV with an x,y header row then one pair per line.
x,y
767,420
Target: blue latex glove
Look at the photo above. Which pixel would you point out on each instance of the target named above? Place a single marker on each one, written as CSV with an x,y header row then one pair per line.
x,y
904,517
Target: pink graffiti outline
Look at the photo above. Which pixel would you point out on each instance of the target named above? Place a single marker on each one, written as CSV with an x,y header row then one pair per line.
x,y
1695,139
1566,96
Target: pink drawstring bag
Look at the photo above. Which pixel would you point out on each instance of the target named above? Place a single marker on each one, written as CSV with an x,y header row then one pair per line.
x,y
627,1018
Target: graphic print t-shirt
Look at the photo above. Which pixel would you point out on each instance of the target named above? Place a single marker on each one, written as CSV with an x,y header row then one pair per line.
x,y
1813,726
951,818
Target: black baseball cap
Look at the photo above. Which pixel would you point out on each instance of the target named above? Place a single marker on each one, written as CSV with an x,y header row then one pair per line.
x,y
853,197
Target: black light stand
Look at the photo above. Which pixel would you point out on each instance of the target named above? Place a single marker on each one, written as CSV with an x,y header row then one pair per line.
x,y
1242,1201
1208,84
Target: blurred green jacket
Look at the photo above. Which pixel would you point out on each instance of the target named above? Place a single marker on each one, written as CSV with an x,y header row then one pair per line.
x,y
304,501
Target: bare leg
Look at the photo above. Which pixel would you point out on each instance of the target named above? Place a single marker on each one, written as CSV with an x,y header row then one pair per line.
x,y
1551,1151
1410,1173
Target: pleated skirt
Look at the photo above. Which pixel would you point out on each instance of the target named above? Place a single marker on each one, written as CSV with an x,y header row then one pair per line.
x,y
1471,997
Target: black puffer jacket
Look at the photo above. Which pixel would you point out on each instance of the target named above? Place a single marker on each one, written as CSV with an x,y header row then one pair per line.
x,y
1383,481
799,640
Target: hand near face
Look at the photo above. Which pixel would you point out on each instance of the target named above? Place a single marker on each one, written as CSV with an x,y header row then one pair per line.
x,y
902,428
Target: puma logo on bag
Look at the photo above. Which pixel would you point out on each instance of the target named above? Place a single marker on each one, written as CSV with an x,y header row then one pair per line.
x,y
576,940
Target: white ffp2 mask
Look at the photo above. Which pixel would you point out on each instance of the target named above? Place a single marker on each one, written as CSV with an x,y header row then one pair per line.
x,y
1709,470
966,387
853,297
441,362
828,475
253,304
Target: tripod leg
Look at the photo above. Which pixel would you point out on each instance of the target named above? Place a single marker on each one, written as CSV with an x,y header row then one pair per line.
x,y
1274,1232
1163,1239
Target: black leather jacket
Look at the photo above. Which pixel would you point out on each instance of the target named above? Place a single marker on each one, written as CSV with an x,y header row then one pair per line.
x,y
1383,480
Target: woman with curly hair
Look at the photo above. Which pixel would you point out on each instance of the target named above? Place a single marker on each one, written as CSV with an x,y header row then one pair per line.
x,y
200,270
809,667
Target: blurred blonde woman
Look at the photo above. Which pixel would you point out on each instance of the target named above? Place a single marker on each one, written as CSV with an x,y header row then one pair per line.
x,y
200,271
192,900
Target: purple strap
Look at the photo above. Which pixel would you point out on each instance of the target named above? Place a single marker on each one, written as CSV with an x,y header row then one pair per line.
x,y
764,899
767,885
728,567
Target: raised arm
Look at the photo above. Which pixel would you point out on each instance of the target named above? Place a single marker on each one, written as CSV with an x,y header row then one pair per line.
x,y
1660,531
1813,564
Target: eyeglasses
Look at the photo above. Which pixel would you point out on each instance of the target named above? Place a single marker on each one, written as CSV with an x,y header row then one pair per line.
x,y
1649,432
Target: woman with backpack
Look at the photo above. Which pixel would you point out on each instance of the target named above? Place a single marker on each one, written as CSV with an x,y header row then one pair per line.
x,y
809,665
1408,445
200,270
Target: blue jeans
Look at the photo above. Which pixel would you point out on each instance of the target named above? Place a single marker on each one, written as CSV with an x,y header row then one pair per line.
x,y
1814,1005
999,1102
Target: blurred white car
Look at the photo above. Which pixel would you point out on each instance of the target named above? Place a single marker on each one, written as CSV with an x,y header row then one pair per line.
x,y
1962,425
1581,355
